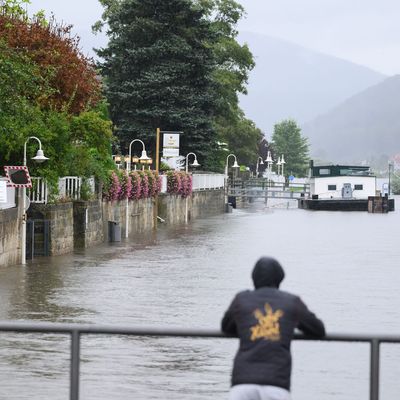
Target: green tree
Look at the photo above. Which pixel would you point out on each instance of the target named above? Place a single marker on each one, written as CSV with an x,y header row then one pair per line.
x,y
233,65
287,140
158,70
75,142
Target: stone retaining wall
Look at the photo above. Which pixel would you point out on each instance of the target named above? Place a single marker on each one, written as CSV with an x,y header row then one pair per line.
x,y
10,248
82,224
61,217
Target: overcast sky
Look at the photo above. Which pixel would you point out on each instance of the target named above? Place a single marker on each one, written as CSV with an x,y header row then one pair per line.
x,y
366,32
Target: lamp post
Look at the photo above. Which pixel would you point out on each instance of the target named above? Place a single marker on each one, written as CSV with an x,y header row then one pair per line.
x,y
39,158
269,162
283,162
278,164
259,163
143,157
235,165
194,164
389,168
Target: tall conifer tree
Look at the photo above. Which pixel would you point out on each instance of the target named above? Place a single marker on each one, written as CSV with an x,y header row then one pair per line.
x,y
158,71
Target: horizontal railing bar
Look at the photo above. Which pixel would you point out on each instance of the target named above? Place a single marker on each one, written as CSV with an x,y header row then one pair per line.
x,y
63,328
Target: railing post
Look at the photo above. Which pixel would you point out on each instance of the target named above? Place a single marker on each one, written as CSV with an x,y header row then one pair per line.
x,y
75,359
374,372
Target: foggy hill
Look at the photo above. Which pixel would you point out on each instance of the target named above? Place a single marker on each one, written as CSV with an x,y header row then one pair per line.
x,y
365,126
290,81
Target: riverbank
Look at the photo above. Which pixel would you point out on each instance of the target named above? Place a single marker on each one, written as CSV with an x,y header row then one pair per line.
x,y
55,229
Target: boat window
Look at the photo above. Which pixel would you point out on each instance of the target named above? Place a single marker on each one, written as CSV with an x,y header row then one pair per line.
x,y
331,187
358,187
324,171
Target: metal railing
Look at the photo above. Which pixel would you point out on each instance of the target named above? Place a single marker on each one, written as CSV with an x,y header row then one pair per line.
x,y
76,330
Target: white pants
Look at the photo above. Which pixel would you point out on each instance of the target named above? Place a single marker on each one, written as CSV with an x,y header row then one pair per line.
x,y
258,392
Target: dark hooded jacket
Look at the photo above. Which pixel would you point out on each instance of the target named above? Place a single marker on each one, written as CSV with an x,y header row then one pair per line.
x,y
264,320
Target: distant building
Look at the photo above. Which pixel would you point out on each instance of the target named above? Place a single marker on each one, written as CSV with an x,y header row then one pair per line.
x,y
341,182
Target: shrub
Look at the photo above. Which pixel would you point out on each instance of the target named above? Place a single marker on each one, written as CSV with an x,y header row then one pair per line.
x,y
112,187
136,190
179,183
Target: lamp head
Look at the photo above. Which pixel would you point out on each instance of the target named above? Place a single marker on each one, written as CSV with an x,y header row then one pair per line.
x,y
143,156
40,157
195,163
261,162
235,165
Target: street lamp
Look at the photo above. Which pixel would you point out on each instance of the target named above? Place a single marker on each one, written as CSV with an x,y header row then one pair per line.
x,y
283,162
39,158
235,165
194,164
259,163
389,168
142,158
278,164
269,162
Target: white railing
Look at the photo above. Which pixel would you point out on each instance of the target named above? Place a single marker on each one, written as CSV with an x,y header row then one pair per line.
x,y
38,193
208,181
69,187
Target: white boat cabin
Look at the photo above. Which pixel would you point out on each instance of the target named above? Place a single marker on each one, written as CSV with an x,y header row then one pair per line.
x,y
341,182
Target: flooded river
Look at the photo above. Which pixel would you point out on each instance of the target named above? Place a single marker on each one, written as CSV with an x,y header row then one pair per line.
x,y
345,266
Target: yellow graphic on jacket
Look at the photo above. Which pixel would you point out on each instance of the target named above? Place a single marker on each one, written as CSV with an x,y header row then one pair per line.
x,y
268,325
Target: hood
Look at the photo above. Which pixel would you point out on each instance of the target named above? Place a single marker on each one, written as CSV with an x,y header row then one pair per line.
x,y
267,272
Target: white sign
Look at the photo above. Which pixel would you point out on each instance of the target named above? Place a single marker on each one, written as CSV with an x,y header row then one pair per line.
x,y
3,191
170,152
171,140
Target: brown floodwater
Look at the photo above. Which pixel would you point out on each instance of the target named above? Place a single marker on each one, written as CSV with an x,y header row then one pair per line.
x,y
343,264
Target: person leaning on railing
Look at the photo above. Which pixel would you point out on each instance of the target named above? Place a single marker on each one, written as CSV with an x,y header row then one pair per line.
x,y
264,320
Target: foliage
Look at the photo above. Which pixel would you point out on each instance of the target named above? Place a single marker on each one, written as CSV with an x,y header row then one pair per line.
x,y
179,183
126,185
242,135
395,184
136,191
135,185
85,190
233,65
34,93
158,68
112,187
287,140
145,185
50,45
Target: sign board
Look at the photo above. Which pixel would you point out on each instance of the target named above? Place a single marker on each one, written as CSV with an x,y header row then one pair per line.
x,y
170,152
18,176
171,140
3,192
170,145
291,178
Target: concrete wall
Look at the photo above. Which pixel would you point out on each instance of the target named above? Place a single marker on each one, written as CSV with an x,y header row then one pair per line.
x,y
88,223
61,225
10,249
140,214
83,224
201,204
